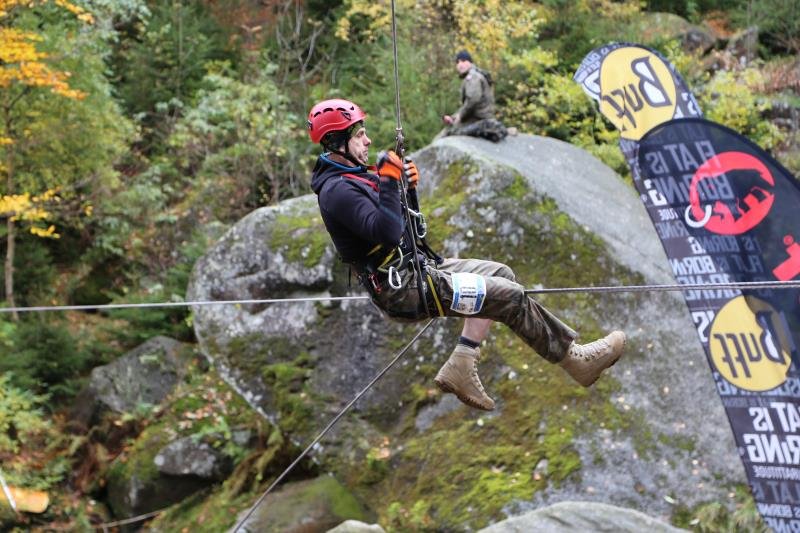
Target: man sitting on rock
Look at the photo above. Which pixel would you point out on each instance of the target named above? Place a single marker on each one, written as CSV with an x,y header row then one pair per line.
x,y
475,117
362,210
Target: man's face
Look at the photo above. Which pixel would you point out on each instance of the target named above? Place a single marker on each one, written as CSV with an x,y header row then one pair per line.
x,y
463,66
359,145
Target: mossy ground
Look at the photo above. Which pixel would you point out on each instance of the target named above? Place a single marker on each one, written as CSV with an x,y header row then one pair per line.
x,y
711,517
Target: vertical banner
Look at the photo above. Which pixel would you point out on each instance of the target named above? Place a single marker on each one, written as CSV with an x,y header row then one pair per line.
x,y
725,212
636,89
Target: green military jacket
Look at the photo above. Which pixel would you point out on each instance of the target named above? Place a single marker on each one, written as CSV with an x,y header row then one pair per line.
x,y
477,99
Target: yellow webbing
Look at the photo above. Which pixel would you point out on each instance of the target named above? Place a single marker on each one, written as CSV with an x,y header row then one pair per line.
x,y
435,295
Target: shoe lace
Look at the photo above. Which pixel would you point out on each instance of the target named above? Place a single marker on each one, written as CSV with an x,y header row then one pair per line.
x,y
474,375
589,352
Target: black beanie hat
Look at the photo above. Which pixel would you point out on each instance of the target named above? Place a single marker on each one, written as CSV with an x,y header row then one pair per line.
x,y
463,55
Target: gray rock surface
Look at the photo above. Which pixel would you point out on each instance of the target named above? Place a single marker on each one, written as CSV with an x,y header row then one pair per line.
x,y
569,517
354,526
310,506
335,348
192,457
583,187
143,376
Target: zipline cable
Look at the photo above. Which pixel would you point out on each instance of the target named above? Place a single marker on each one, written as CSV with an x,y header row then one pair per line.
x,y
330,425
743,285
740,285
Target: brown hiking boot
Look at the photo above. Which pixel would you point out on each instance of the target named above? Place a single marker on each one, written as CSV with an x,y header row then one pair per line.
x,y
585,362
459,375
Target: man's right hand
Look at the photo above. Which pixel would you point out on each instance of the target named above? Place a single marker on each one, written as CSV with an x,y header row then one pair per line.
x,y
447,119
390,166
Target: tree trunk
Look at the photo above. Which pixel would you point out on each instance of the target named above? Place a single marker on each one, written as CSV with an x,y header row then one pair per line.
x,y
9,270
9,264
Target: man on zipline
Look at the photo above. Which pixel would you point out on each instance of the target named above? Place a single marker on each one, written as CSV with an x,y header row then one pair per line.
x,y
363,213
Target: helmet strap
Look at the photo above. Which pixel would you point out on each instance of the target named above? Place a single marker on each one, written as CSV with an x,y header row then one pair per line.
x,y
346,154
348,133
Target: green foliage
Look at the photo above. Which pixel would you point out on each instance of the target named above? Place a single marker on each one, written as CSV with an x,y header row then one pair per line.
x,y
25,435
69,144
729,99
175,322
120,221
241,143
21,418
573,28
693,8
714,517
33,264
46,357
778,22
160,61
501,35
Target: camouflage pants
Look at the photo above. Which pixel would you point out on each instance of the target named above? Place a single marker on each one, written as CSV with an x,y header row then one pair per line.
x,y
488,128
503,301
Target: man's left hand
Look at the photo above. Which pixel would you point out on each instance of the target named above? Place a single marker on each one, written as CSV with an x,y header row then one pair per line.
x,y
412,173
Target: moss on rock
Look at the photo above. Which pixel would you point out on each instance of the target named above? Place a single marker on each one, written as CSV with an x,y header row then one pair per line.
x,y
301,237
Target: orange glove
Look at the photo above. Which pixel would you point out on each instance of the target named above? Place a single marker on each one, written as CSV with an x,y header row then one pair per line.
x,y
411,173
390,166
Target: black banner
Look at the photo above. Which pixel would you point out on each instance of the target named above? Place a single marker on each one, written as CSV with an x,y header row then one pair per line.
x,y
728,212
725,212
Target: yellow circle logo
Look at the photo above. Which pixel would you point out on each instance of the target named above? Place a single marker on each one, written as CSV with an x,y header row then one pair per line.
x,y
747,344
637,91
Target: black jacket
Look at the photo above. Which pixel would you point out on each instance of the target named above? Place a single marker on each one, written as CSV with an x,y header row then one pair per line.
x,y
360,210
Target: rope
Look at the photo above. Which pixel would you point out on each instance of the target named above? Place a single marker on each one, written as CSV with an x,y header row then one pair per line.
x,y
131,520
753,285
330,425
179,304
676,287
400,150
399,128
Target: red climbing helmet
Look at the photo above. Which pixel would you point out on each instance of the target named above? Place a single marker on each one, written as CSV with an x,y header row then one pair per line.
x,y
332,115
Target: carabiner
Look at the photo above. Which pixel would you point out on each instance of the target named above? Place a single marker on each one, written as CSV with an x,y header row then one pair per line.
x,y
394,278
420,227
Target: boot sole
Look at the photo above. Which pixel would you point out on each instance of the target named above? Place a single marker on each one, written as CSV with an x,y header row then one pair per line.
x,y
614,362
446,387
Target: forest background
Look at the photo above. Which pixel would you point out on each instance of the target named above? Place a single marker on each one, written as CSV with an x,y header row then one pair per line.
x,y
134,132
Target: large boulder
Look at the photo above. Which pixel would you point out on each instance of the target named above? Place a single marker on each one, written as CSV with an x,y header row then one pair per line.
x,y
193,457
567,517
143,376
652,427
310,506
654,26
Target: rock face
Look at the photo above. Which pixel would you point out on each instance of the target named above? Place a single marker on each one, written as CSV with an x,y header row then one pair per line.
x,y
354,526
653,427
311,506
568,517
191,457
145,375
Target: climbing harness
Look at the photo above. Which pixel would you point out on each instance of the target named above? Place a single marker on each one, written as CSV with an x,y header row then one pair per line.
x,y
335,419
